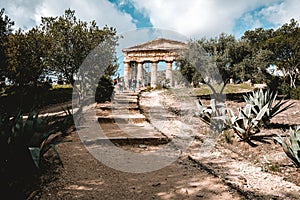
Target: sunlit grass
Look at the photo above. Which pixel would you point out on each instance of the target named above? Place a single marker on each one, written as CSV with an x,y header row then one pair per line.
x,y
61,86
205,90
229,89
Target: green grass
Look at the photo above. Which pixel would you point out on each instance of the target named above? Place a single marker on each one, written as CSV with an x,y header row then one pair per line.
x,y
229,89
61,86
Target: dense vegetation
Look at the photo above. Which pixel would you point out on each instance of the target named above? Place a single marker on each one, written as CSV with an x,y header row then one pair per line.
x,y
56,47
28,59
260,52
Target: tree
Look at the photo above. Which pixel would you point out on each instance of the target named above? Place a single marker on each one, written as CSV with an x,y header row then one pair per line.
x,y
25,56
5,30
279,47
257,38
285,45
71,42
222,54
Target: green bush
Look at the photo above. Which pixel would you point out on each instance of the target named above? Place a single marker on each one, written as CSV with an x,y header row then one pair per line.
x,y
148,89
29,98
104,90
295,93
284,89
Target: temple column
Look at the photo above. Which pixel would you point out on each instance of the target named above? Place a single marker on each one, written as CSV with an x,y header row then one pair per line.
x,y
169,75
154,74
126,74
139,75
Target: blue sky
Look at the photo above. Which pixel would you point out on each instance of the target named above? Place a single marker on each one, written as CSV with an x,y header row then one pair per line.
x,y
192,18
175,19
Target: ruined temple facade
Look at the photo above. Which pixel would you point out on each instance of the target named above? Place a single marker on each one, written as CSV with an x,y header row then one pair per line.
x,y
150,52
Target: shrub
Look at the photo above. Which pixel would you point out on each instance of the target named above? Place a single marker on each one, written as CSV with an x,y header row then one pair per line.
x,y
104,90
213,115
295,93
291,146
148,89
259,99
284,89
246,124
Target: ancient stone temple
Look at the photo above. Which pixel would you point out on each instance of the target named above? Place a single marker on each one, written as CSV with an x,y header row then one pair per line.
x,y
150,52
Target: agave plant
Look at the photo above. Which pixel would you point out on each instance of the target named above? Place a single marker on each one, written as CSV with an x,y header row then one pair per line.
x,y
245,125
291,146
259,99
212,115
20,137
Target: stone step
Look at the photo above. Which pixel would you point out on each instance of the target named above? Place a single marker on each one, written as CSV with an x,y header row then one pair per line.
x,y
125,96
124,101
142,133
117,107
126,118
115,112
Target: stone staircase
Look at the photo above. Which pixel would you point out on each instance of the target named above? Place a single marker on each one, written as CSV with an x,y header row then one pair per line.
x,y
122,123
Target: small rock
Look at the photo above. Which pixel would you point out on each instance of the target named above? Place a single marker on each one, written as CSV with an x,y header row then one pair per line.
x,y
156,184
142,146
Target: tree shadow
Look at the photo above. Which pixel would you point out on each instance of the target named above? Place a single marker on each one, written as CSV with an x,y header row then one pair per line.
x,y
220,170
236,97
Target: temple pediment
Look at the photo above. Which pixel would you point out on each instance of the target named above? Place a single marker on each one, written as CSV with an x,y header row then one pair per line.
x,y
154,51
160,44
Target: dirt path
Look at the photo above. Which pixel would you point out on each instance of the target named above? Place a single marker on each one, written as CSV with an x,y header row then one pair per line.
x,y
221,175
83,177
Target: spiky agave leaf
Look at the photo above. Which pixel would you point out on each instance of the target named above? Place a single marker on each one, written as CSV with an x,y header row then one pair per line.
x,y
259,99
291,146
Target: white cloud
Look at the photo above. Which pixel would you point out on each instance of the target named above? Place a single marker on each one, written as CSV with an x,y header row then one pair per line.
x,y
27,14
21,12
281,13
198,18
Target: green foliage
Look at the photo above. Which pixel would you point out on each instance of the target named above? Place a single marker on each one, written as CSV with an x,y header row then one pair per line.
x,y
283,45
32,98
148,89
5,30
71,42
291,146
212,115
23,142
246,124
259,99
284,89
19,135
227,137
295,93
274,168
26,53
104,90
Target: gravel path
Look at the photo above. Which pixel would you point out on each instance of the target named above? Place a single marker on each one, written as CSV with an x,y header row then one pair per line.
x,y
223,163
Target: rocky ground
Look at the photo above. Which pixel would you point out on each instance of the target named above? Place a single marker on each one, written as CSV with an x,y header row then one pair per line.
x,y
259,172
